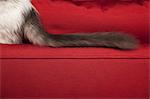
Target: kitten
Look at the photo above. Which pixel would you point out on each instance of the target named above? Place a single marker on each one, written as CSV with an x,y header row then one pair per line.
x,y
20,23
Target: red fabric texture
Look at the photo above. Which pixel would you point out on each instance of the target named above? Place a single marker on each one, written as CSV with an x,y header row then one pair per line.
x,y
30,71
65,17
75,78
103,3
35,52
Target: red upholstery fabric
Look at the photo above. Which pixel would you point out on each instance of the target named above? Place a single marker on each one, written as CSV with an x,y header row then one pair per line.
x,y
30,51
75,78
103,3
65,17
29,71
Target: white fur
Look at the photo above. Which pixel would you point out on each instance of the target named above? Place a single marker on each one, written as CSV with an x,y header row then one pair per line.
x,y
11,19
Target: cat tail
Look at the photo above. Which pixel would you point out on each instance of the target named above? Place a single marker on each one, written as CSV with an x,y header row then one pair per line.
x,y
34,33
104,39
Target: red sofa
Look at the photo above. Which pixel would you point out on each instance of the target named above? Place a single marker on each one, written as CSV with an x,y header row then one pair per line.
x,y
29,71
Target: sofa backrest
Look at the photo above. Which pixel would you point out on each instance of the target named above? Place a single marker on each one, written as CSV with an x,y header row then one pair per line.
x,y
62,16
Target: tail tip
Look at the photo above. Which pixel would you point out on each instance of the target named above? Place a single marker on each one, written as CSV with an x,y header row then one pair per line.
x,y
129,45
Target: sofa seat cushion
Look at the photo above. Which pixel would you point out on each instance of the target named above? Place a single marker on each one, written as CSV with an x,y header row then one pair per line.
x,y
31,51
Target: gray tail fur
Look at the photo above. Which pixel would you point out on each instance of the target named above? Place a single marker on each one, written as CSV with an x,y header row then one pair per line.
x,y
34,32
106,39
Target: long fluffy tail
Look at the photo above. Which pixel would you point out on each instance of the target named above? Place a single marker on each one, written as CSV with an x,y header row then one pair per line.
x,y
34,33
106,39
